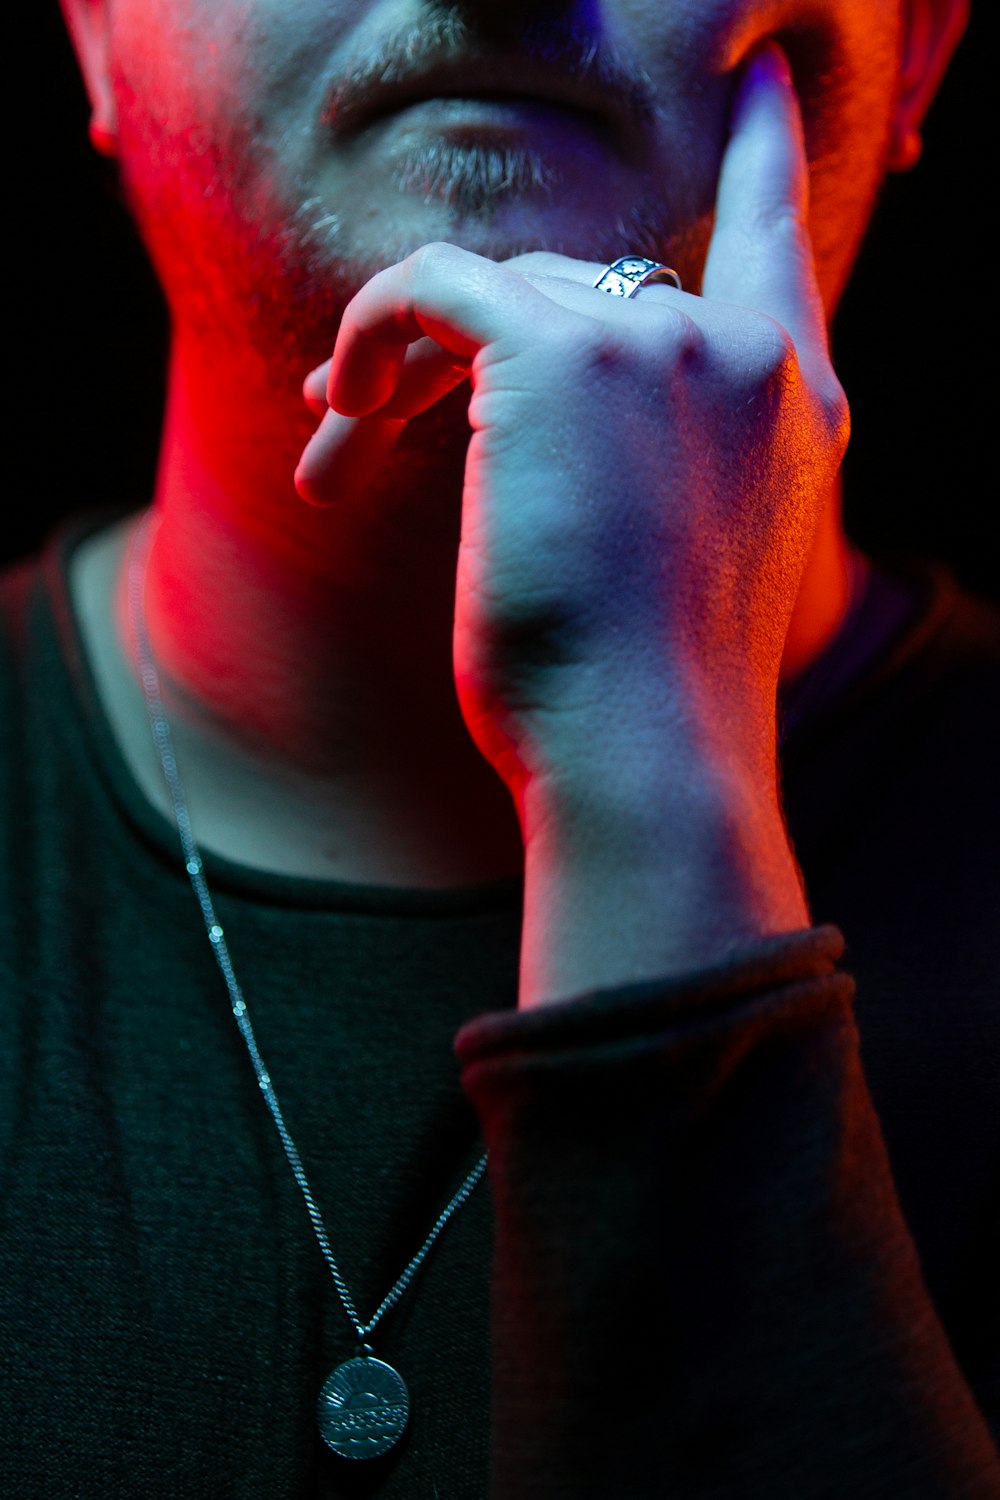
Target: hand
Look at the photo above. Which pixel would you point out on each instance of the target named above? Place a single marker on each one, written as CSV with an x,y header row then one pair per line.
x,y
642,488
644,477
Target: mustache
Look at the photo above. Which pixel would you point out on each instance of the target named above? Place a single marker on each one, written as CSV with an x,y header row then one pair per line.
x,y
571,53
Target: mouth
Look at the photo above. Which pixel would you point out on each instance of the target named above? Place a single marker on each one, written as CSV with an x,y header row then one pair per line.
x,y
616,106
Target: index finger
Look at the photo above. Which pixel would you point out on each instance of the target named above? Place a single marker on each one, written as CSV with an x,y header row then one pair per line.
x,y
761,255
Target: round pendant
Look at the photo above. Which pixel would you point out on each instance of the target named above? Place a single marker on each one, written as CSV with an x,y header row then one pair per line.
x,y
363,1408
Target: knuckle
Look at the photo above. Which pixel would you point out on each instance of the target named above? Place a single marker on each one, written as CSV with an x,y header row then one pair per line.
x,y
430,259
783,222
757,364
662,348
680,337
775,357
542,262
677,356
599,353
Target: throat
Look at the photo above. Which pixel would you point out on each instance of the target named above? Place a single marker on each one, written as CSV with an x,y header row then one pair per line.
x,y
403,798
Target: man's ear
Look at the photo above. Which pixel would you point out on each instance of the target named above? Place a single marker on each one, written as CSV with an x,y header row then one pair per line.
x,y
932,30
87,23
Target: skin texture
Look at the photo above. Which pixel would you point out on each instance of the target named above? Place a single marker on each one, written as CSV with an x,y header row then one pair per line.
x,y
580,615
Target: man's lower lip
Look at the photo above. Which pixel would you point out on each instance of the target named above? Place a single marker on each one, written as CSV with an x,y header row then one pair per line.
x,y
514,112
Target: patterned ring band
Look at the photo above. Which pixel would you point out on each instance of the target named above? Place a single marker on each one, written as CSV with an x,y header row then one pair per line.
x,y
624,277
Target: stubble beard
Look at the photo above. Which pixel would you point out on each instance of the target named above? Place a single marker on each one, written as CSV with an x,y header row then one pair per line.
x,y
488,194
247,268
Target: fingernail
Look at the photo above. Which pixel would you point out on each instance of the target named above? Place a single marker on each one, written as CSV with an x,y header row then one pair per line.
x,y
314,385
306,484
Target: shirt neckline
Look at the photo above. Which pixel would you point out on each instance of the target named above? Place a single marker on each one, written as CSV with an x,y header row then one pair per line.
x,y
159,833
888,619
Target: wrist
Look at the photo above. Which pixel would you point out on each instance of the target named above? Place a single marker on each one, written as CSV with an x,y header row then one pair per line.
x,y
651,871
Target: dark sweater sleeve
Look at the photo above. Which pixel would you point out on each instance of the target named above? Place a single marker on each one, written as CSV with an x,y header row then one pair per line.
x,y
703,1283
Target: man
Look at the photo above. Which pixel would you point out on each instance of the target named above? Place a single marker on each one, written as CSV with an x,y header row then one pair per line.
x,y
565,559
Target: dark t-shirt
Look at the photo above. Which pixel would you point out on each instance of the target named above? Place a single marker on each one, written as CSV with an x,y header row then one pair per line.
x,y
719,1252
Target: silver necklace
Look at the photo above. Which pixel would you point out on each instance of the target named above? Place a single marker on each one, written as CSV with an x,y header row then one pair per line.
x,y
364,1405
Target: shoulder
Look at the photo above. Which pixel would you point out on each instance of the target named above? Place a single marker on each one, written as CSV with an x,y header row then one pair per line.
x,y
959,646
893,796
18,586
942,693
22,591
932,687
37,624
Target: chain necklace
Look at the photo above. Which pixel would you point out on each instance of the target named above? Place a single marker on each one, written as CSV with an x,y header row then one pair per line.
x,y
364,1405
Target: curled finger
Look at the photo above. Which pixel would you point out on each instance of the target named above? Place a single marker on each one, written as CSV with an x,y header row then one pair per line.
x,y
344,455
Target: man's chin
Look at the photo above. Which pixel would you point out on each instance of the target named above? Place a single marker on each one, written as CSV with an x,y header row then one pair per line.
x,y
500,231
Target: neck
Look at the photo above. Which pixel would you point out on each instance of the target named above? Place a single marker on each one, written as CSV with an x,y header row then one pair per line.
x,y
306,654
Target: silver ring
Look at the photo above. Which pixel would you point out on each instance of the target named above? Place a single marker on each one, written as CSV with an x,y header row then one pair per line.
x,y
625,276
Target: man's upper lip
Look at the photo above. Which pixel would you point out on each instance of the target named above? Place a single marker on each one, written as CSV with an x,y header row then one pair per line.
x,y
471,78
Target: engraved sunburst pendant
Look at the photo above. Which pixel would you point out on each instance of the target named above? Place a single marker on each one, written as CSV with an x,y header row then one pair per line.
x,y
363,1407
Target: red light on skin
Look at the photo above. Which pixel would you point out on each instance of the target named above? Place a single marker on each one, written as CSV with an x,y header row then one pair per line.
x,y
285,612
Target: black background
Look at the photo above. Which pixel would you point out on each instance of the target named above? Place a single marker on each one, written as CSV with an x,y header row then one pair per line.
x,y
915,338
